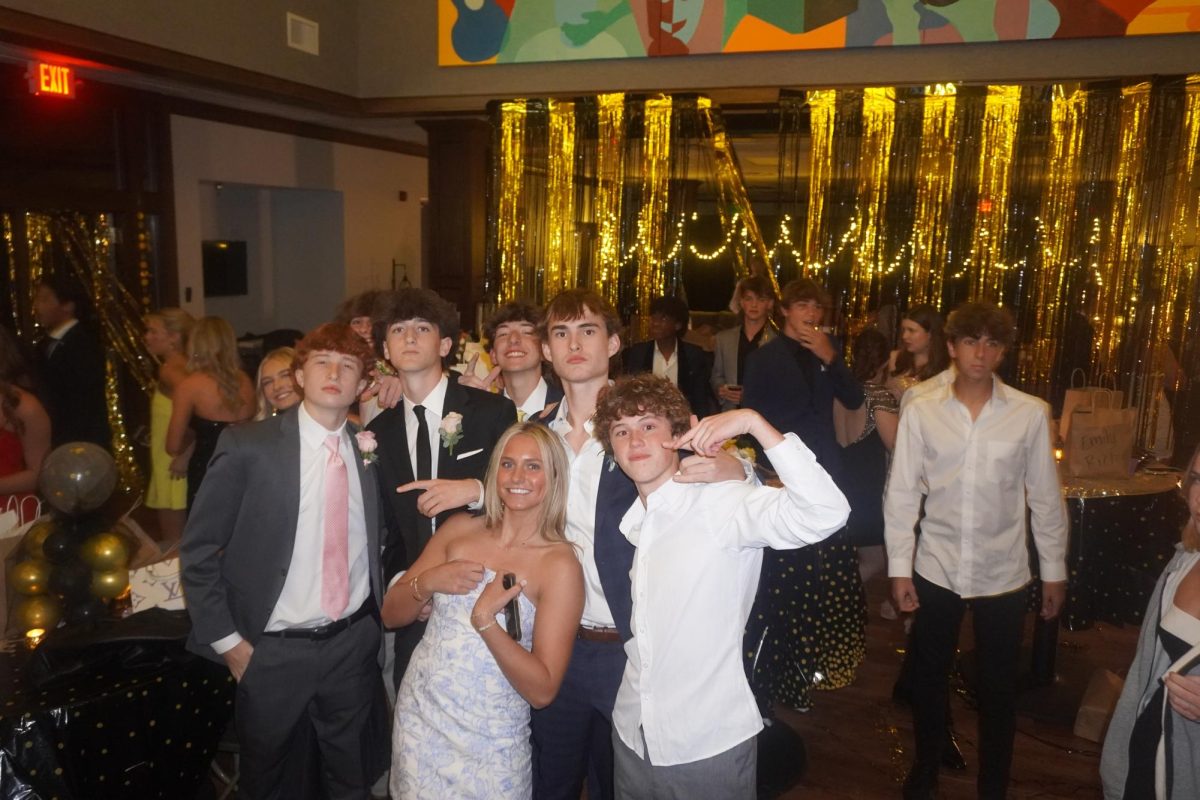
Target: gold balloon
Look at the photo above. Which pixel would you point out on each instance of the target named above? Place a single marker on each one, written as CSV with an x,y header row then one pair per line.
x,y
106,551
35,536
30,577
43,611
110,584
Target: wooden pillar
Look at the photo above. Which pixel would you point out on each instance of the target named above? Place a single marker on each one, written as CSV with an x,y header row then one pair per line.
x,y
456,225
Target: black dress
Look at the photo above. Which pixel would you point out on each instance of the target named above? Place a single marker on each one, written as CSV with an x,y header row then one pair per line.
x,y
866,467
207,432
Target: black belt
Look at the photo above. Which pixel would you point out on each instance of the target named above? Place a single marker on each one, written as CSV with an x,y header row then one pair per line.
x,y
322,632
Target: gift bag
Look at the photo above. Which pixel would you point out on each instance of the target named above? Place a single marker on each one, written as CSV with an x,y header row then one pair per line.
x,y
1099,443
1081,395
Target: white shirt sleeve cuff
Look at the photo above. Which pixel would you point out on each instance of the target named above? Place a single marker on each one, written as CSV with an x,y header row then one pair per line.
x,y
477,503
1052,571
900,568
226,643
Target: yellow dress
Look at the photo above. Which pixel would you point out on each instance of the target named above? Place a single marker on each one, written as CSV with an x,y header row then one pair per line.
x,y
164,491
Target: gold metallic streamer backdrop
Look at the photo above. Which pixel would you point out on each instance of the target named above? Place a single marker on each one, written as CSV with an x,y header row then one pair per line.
x,y
652,216
562,257
996,142
510,206
875,149
934,188
1056,228
822,105
610,191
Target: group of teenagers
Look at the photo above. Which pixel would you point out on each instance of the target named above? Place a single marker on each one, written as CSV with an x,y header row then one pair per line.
x,y
550,582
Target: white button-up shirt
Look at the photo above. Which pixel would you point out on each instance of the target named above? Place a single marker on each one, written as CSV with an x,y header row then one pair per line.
x,y
664,367
978,478
535,402
694,577
582,492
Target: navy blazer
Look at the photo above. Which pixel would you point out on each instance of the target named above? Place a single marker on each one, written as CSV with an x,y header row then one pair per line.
x,y
485,417
72,383
694,371
794,391
613,553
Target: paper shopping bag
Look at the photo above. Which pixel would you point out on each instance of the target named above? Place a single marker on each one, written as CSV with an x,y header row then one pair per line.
x,y
1100,439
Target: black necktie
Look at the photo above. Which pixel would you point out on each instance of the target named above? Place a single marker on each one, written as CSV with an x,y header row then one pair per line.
x,y
424,468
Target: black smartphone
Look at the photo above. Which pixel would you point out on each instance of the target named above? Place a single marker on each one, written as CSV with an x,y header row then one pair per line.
x,y
512,611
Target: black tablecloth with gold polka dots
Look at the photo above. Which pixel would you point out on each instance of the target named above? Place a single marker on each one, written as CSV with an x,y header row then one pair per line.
x,y
115,733
1119,546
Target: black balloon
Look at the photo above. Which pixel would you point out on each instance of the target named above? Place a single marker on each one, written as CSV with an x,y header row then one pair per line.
x,y
60,546
72,578
85,610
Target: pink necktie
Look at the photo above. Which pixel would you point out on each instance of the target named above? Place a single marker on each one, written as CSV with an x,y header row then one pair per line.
x,y
335,561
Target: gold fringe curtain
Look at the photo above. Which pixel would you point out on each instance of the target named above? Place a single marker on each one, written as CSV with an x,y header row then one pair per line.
x,y
822,104
655,197
561,258
935,183
508,195
875,148
996,144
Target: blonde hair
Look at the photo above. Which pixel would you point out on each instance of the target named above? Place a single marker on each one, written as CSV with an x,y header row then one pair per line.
x,y
212,349
176,322
265,409
552,517
1191,536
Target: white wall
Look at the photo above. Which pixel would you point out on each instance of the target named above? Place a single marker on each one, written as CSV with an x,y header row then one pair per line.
x,y
376,226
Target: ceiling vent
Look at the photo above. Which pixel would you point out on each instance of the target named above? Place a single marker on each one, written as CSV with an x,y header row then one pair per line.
x,y
303,34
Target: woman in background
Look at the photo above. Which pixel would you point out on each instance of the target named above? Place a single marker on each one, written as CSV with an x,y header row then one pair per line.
x,y
922,352
166,337
24,433
1152,748
276,388
215,394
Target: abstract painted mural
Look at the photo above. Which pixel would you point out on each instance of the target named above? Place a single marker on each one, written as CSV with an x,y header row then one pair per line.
x,y
513,31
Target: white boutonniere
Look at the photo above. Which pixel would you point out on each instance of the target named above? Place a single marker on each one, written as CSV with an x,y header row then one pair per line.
x,y
451,430
367,446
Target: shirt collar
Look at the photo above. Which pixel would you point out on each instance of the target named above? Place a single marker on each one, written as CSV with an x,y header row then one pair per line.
x,y
435,401
663,495
313,433
561,423
999,389
61,330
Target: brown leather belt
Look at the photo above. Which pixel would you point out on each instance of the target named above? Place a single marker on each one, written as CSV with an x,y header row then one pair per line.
x,y
598,634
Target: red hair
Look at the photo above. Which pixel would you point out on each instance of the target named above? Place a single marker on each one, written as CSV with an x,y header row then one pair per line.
x,y
337,338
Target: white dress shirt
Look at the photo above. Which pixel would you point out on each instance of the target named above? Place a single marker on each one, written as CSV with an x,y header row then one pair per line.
x,y
694,577
534,403
664,367
299,602
978,477
582,492
939,381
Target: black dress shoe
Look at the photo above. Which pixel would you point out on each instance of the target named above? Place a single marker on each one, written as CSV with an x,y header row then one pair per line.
x,y
952,757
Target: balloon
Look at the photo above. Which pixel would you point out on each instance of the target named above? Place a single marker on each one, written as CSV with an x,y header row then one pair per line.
x,y
34,537
77,477
60,546
110,584
71,579
105,551
85,610
43,611
30,577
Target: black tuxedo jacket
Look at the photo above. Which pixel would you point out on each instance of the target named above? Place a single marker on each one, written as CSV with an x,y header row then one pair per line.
x,y
694,371
612,551
485,417
72,382
237,547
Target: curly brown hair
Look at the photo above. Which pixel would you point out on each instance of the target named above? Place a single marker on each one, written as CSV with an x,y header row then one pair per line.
x,y
636,395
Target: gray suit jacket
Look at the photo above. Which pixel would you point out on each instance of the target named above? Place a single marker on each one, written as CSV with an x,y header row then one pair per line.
x,y
725,358
238,543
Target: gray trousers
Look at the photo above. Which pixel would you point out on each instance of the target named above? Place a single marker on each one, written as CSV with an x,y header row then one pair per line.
x,y
731,775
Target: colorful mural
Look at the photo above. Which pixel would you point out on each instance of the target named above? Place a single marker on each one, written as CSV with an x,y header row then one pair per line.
x,y
512,31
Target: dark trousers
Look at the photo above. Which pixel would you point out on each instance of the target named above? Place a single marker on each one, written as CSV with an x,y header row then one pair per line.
x,y
297,691
572,737
998,625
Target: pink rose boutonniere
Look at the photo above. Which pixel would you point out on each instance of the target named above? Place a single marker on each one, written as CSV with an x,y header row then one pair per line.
x,y
366,446
451,430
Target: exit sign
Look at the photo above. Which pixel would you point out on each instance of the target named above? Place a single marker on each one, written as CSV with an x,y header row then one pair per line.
x,y
52,79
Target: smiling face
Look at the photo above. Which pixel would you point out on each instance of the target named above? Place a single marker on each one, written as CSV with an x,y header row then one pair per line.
x,y
516,347
520,474
277,384
415,346
330,380
638,447
914,337
976,358
580,348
